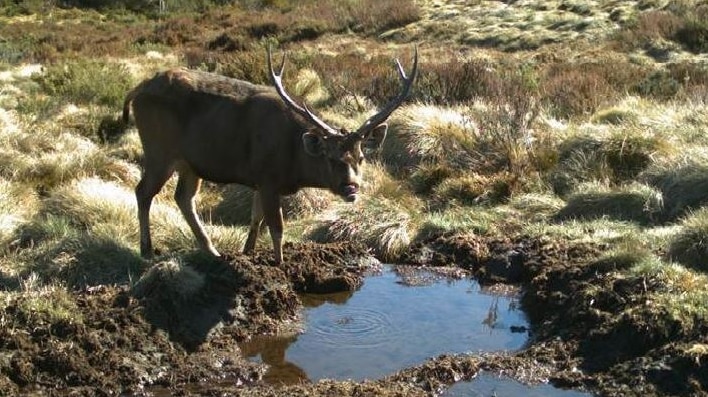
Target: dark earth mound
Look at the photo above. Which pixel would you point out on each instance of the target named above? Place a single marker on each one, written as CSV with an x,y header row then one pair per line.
x,y
176,331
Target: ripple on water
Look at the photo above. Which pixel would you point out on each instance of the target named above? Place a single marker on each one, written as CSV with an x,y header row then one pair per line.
x,y
358,327
388,325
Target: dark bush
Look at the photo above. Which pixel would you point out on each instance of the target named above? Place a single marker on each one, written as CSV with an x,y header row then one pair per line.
x,y
693,35
660,85
571,89
454,82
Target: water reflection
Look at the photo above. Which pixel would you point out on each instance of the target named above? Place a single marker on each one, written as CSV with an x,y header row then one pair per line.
x,y
486,385
271,350
388,325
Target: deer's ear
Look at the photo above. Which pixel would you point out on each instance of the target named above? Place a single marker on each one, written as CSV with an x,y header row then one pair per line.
x,y
313,144
376,137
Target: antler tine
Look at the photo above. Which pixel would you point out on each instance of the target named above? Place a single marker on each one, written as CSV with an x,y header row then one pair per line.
x,y
382,115
277,80
401,72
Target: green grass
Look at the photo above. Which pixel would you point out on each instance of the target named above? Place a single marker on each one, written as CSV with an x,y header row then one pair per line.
x,y
602,140
380,223
38,303
690,246
635,203
86,81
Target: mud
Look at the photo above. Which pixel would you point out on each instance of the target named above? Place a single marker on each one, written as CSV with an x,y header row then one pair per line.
x,y
176,331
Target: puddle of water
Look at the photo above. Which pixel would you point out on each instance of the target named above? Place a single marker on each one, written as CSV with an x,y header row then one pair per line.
x,y
486,385
387,326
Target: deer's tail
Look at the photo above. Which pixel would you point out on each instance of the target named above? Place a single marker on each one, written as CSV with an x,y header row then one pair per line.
x,y
127,102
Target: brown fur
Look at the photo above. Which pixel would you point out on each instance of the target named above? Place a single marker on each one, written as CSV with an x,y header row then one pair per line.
x,y
206,126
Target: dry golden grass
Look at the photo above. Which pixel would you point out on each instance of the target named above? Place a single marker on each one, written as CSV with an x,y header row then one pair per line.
x,y
630,119
18,204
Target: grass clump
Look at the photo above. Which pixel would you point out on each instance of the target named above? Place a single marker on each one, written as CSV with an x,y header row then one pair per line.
x,y
84,81
629,152
18,204
92,201
462,220
475,189
635,203
536,206
615,116
690,246
428,176
683,186
429,134
615,158
681,291
40,304
378,222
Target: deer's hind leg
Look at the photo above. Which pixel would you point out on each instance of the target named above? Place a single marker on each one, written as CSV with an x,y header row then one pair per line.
x,y
155,174
187,188
256,222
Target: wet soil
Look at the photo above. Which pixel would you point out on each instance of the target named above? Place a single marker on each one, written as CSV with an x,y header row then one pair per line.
x,y
176,331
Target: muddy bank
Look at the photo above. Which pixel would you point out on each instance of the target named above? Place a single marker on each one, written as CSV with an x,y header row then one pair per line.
x,y
176,331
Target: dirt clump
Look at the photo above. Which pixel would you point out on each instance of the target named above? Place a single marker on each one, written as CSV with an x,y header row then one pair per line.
x,y
178,329
180,322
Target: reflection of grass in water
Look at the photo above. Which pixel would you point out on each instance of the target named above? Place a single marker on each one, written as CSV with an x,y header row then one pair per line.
x,y
492,314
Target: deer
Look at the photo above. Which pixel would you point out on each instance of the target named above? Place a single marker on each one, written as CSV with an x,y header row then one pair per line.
x,y
205,126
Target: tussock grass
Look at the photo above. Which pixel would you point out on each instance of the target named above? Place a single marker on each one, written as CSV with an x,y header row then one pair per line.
x,y
471,189
537,207
428,176
613,157
169,275
690,245
477,220
636,203
378,222
615,116
683,186
48,159
39,303
309,87
94,205
682,294
18,204
421,133
92,201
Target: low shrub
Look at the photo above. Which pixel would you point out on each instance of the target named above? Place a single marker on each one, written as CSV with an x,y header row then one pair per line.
x,y
570,90
693,34
87,82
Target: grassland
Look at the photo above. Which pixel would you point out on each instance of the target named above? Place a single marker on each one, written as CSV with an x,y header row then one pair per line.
x,y
584,122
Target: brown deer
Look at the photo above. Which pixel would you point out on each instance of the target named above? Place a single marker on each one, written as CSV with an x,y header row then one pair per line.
x,y
206,126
